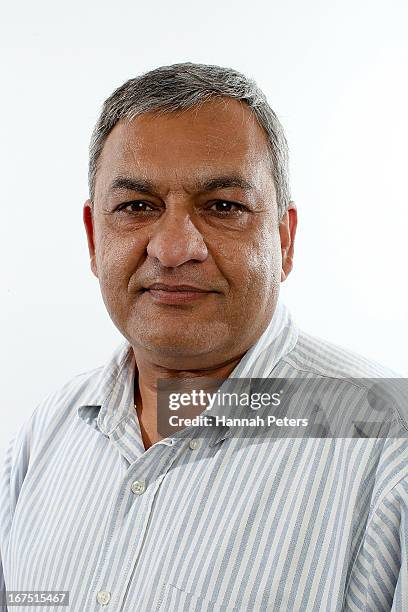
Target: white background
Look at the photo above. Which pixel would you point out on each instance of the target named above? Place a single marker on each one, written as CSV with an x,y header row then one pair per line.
x,y
336,74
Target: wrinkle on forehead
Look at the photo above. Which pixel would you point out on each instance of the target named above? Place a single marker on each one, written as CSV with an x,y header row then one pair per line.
x,y
219,137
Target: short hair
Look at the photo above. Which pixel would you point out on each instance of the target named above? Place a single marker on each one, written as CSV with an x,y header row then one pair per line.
x,y
186,85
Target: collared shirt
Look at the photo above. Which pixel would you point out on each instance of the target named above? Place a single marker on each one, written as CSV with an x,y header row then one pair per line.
x,y
218,523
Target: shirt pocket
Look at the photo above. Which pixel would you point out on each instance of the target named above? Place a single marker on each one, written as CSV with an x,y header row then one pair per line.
x,y
174,599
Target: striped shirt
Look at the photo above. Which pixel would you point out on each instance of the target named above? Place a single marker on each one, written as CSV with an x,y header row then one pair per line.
x,y
216,523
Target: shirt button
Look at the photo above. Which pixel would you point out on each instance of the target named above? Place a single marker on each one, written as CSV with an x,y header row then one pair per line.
x,y
194,444
138,487
103,597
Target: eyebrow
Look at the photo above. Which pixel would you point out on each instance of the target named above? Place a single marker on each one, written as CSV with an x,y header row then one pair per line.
x,y
202,185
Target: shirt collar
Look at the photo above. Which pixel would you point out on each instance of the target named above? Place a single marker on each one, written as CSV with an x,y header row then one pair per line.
x,y
111,397
278,339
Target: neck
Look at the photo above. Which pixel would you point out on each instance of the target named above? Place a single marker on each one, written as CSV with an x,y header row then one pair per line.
x,y
146,377
148,372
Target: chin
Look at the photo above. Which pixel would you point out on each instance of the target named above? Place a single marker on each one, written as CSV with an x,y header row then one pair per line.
x,y
171,345
179,341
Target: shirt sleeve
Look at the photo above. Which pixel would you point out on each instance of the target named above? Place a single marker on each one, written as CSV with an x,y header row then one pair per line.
x,y
13,468
379,576
5,522
3,607
400,600
10,484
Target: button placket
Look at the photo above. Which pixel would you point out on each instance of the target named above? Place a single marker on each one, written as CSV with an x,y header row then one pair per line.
x,y
151,472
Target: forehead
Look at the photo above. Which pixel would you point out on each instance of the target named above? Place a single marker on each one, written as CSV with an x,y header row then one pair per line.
x,y
220,135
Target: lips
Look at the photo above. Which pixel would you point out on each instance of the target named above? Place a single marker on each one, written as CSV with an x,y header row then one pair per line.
x,y
161,293
176,288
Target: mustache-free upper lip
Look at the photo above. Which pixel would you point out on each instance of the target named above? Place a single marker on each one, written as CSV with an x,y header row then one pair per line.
x,y
165,287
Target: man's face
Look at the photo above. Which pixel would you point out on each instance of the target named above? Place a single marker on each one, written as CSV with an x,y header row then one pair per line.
x,y
188,199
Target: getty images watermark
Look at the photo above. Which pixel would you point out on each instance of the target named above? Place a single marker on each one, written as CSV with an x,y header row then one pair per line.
x,y
286,407
27,599
207,401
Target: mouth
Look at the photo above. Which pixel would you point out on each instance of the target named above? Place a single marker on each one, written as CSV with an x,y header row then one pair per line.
x,y
175,294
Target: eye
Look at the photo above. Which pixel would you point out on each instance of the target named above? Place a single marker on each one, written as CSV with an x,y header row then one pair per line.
x,y
224,207
136,206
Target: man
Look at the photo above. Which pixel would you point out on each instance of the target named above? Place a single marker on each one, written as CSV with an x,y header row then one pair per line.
x,y
191,230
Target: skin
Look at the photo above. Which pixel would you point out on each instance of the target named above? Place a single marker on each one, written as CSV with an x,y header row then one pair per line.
x,y
170,225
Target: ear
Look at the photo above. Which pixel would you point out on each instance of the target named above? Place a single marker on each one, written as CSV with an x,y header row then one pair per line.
x,y
87,216
287,231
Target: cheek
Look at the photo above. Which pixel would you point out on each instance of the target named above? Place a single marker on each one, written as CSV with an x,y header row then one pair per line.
x,y
255,263
116,260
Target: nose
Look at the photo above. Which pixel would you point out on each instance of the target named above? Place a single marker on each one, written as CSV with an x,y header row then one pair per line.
x,y
176,240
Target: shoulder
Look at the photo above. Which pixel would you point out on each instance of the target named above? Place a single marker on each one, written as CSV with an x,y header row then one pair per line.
x,y
319,357
50,421
56,412
57,406
52,416
90,387
361,385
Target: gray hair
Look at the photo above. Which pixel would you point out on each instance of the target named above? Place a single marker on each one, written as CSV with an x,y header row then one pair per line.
x,y
182,86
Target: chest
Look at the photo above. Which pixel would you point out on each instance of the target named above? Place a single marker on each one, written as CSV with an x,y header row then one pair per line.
x,y
247,525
